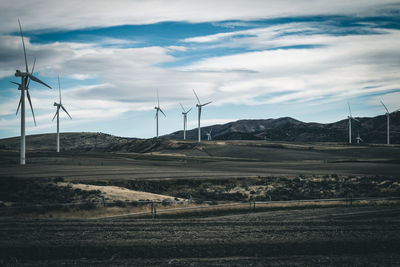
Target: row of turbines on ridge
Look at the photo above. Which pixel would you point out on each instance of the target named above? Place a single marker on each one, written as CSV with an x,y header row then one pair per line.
x,y
27,77
184,113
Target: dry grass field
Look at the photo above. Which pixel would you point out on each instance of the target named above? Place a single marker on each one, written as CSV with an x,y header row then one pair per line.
x,y
94,208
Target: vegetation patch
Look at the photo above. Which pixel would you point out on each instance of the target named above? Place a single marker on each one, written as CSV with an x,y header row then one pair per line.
x,y
268,188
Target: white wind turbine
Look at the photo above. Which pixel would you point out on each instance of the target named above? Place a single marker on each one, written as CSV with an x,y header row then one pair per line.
x,y
26,77
350,118
157,110
184,113
387,124
209,135
59,105
358,138
199,106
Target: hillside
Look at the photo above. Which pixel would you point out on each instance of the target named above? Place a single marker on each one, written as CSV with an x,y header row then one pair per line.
x,y
82,141
372,130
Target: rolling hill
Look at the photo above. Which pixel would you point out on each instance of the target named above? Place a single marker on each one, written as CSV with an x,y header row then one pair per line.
x,y
372,130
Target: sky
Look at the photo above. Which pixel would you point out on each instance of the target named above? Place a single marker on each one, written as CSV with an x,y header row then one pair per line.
x,y
304,59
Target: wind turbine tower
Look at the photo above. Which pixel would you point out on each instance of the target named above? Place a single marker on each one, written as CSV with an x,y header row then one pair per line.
x,y
184,113
59,105
199,106
350,117
157,108
26,77
387,122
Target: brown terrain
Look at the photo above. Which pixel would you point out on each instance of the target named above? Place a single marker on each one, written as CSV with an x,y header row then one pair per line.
x,y
110,201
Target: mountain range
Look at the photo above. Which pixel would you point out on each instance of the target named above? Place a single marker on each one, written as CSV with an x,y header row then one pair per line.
x,y
371,130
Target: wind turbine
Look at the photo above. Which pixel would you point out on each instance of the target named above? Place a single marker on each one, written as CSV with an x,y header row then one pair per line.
x,y
350,117
358,138
157,110
184,113
387,124
59,105
199,106
209,135
26,77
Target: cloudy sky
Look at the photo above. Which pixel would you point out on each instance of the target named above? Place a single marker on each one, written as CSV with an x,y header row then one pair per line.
x,y
254,59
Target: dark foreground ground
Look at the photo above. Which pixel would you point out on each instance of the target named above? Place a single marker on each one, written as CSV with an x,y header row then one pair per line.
x,y
334,236
232,171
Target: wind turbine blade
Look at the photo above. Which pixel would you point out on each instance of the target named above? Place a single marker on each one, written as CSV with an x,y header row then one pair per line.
x,y
198,100
37,80
58,108
163,112
188,111
349,109
15,83
59,87
182,108
158,99
207,103
33,68
66,111
20,100
385,107
30,103
23,44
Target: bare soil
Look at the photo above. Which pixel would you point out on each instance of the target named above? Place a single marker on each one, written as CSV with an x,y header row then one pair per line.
x,y
353,236
362,234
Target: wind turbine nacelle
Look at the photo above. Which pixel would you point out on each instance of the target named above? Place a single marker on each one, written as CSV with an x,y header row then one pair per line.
x,y
155,107
197,105
18,73
55,104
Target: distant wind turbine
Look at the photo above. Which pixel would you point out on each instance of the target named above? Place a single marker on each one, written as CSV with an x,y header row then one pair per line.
x,y
157,110
358,138
199,106
350,117
387,124
209,135
59,105
184,113
26,78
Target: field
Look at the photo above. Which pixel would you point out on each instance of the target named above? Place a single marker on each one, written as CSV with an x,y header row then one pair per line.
x,y
219,203
359,236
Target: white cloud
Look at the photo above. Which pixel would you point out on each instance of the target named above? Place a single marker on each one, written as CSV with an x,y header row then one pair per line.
x,y
75,14
337,68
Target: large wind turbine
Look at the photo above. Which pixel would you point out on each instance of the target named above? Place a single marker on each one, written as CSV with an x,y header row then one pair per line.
x,y
26,77
387,124
350,117
59,105
184,113
157,110
199,106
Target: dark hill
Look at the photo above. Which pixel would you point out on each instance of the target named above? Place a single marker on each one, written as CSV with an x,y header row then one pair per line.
x,y
372,130
98,142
